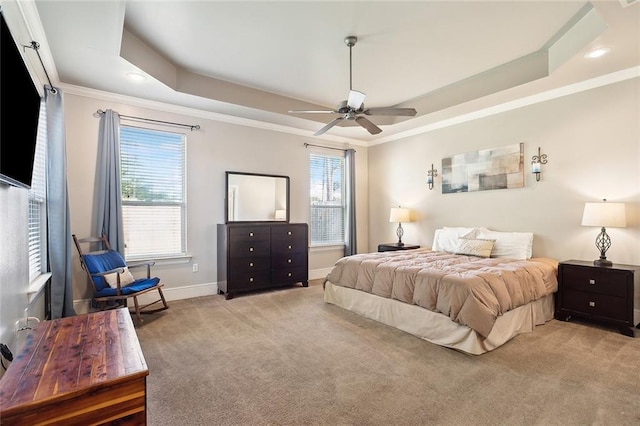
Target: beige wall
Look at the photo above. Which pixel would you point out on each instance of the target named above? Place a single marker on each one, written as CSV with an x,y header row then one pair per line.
x,y
592,140
215,148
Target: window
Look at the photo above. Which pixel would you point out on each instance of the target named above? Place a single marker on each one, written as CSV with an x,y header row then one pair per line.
x,y
327,199
153,192
38,203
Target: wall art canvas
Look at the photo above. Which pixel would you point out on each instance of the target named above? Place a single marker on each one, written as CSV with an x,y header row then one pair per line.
x,y
495,168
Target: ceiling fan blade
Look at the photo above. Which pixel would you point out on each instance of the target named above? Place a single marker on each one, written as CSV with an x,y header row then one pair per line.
x,y
409,112
326,111
355,100
371,128
328,126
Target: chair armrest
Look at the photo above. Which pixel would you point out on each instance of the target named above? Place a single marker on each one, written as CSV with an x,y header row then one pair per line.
x,y
148,264
101,274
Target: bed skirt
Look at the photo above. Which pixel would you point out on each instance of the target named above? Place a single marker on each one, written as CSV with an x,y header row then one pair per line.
x,y
438,328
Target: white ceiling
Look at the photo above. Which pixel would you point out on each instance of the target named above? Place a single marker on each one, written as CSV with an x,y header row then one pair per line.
x,y
255,60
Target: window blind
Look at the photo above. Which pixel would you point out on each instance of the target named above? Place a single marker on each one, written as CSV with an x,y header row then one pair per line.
x,y
153,192
37,219
327,199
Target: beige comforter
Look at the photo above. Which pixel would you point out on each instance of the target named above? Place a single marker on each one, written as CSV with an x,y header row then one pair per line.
x,y
470,290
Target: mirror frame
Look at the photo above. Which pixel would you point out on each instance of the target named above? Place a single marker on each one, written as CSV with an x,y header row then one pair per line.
x,y
226,197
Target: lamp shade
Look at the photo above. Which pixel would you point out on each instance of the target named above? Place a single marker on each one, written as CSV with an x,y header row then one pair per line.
x,y
604,214
400,215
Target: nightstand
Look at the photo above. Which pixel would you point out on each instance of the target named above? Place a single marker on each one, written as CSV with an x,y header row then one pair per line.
x,y
604,294
395,246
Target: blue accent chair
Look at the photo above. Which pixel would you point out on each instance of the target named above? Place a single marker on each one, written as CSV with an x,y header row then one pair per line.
x,y
111,278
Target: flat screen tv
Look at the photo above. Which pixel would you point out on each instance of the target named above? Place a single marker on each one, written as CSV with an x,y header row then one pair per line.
x,y
19,110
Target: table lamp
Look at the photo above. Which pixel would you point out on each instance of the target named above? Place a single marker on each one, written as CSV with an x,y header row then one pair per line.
x,y
604,214
399,214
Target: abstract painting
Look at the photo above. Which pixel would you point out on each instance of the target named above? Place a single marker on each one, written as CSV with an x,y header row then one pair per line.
x,y
495,168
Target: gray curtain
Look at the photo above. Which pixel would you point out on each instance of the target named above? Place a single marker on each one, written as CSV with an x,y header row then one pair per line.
x,y
108,193
58,217
350,193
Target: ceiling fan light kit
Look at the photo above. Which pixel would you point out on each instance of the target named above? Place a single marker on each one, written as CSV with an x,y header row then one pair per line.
x,y
353,108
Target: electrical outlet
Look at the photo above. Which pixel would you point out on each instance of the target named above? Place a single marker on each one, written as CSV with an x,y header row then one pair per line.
x,y
196,267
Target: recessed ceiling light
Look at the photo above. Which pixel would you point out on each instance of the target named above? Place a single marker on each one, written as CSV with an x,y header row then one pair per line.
x,y
135,76
596,53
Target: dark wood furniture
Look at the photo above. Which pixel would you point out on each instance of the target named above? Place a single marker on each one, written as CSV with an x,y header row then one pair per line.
x,y
395,246
604,294
253,256
80,370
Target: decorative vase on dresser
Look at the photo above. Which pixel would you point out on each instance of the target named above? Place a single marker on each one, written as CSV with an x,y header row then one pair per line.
x,y
255,256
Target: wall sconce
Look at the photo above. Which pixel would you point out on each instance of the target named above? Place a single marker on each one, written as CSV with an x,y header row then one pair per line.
x,y
399,215
602,215
536,162
430,175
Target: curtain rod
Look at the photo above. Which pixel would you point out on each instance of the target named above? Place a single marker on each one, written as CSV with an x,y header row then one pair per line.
x,y
36,46
170,123
306,145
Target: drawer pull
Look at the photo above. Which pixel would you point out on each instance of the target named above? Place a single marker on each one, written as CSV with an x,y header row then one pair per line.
x,y
250,248
251,234
251,279
592,282
288,260
289,233
289,247
250,263
289,274
592,304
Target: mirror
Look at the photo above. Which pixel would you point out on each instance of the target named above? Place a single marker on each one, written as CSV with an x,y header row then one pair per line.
x,y
254,197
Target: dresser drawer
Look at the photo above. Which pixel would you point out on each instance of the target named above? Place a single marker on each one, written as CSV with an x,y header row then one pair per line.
x,y
289,275
250,263
246,280
595,305
289,232
289,260
249,233
249,248
594,280
279,247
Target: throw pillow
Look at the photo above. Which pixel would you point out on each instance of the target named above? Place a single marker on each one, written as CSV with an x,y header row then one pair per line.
x,y
126,278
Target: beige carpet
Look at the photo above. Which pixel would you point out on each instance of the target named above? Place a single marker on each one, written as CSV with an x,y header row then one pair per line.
x,y
285,357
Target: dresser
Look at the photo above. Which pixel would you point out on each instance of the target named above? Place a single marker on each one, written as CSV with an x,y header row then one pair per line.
x,y
80,370
257,255
605,294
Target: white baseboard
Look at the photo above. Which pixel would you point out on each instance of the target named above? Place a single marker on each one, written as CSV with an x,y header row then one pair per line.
x,y
81,306
319,273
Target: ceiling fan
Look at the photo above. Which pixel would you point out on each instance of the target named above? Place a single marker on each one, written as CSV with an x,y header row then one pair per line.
x,y
353,108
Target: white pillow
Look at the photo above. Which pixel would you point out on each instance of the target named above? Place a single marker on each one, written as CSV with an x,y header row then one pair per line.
x,y
126,278
473,247
446,239
514,245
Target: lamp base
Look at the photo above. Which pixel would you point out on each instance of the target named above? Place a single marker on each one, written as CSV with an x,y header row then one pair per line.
x,y
602,262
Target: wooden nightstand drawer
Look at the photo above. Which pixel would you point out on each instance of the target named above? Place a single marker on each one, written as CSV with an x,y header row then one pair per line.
x,y
598,306
602,281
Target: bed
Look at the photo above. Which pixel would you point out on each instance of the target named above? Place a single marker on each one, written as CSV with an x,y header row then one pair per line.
x,y
473,290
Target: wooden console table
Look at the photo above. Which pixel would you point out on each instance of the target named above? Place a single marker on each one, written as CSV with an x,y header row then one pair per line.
x,y
80,370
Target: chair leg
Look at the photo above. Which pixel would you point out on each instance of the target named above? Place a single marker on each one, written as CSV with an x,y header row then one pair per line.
x,y
164,302
137,308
